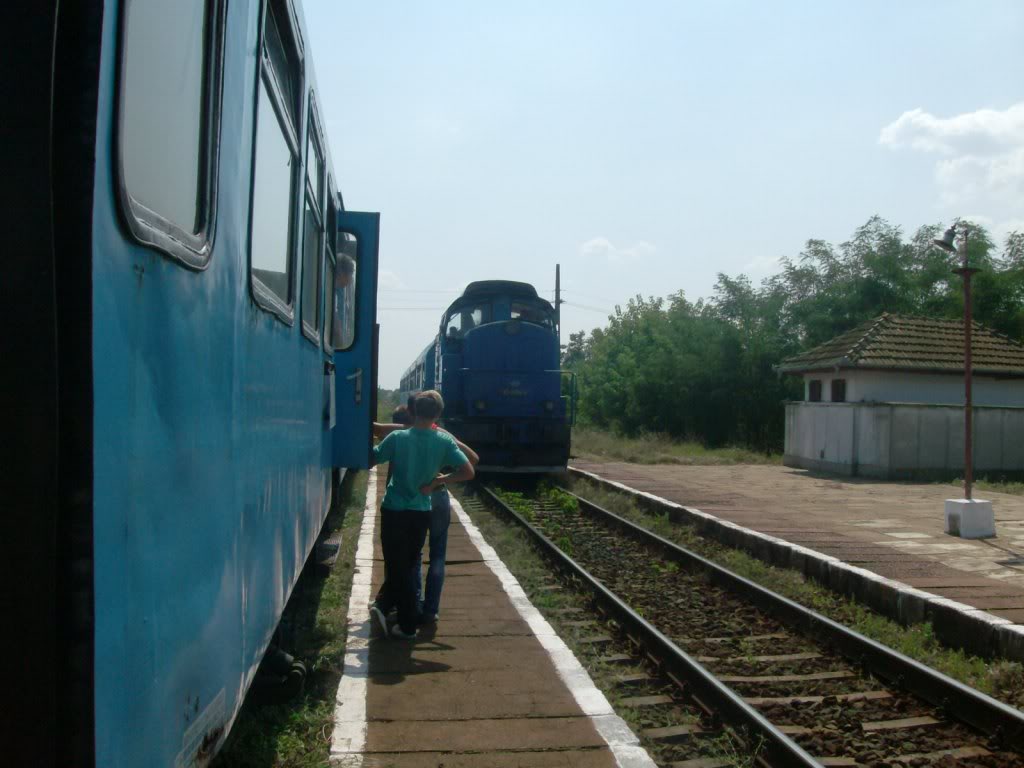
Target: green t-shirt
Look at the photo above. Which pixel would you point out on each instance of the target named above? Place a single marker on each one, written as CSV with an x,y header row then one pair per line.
x,y
416,456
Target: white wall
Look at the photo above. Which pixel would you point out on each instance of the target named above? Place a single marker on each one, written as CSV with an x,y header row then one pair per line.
x,y
893,440
932,388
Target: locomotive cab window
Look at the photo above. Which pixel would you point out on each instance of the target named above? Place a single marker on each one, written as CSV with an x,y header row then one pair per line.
x,y
168,123
531,313
466,319
275,176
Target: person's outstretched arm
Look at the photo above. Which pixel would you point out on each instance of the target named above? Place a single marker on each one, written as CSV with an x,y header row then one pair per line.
x,y
474,459
472,455
383,430
464,472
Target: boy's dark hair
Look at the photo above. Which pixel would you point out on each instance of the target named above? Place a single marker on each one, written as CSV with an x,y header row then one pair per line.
x,y
410,404
401,415
429,405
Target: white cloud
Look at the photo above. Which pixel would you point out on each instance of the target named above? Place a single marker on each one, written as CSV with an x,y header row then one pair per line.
x,y
603,248
760,267
979,163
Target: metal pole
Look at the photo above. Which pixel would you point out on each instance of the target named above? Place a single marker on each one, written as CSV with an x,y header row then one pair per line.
x,y
966,272
558,305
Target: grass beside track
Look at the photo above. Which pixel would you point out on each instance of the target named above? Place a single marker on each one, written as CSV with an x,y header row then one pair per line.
x,y
654,448
296,734
1003,680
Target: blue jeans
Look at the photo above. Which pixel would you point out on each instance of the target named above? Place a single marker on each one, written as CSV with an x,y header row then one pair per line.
x,y
440,518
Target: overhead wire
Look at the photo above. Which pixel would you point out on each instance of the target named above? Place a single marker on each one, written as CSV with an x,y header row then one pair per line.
x,y
587,307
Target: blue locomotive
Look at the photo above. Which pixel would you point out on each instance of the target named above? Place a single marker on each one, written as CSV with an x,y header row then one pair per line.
x,y
196,338
495,361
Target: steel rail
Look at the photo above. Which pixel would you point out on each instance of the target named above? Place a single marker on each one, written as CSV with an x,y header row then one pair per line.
x,y
991,717
775,749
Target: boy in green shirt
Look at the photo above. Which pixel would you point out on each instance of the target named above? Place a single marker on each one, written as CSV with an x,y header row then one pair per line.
x,y
416,455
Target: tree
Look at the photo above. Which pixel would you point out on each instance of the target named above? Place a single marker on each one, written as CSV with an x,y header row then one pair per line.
x,y
706,369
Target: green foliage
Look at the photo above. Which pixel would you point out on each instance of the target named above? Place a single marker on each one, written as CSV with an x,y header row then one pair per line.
x,y
517,501
564,501
704,371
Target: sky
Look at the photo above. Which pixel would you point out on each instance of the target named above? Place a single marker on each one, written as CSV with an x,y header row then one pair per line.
x,y
649,146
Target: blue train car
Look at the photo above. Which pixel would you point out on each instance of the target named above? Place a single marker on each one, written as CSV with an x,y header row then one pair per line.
x,y
421,375
197,314
495,361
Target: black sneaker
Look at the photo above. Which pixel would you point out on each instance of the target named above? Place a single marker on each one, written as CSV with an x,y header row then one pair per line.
x,y
378,617
396,632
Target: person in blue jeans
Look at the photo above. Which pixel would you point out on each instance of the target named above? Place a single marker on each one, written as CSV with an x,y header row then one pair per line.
x,y
440,519
437,538
416,455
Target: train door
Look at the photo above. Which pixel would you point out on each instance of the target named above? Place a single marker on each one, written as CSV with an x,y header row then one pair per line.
x,y
354,320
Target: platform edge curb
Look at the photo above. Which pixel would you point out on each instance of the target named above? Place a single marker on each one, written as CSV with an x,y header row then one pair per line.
x,y
957,624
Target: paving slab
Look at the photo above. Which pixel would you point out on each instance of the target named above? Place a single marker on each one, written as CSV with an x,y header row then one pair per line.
x,y
447,693
469,654
589,758
476,689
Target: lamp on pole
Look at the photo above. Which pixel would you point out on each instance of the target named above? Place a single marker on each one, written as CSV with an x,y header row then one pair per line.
x,y
946,243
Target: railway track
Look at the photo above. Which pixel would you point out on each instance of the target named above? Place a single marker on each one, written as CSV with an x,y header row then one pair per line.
x,y
726,656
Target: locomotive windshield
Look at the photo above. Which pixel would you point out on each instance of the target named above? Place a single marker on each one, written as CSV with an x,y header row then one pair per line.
x,y
466,318
530,312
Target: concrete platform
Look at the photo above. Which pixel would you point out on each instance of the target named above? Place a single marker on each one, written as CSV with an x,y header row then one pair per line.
x,y
881,541
490,685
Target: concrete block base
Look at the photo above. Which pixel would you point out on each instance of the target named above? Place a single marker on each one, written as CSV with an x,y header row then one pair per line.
x,y
970,518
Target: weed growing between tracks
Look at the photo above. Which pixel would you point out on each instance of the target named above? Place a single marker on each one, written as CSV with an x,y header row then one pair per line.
x,y
1003,680
296,734
565,609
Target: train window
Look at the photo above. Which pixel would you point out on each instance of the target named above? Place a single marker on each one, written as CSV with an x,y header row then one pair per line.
x,y
531,313
466,319
343,329
314,163
331,270
273,191
312,238
453,328
168,123
275,180
281,51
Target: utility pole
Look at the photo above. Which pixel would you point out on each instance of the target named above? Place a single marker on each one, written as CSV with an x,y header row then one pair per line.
x,y
949,243
968,517
558,305
966,272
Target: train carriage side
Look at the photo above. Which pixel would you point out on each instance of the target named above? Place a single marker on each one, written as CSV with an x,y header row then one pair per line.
x,y
221,304
419,376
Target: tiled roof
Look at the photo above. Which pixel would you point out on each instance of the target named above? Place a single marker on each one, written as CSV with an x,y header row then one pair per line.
x,y
908,343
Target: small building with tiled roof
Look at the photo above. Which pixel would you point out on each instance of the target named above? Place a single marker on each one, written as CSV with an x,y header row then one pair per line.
x,y
886,400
